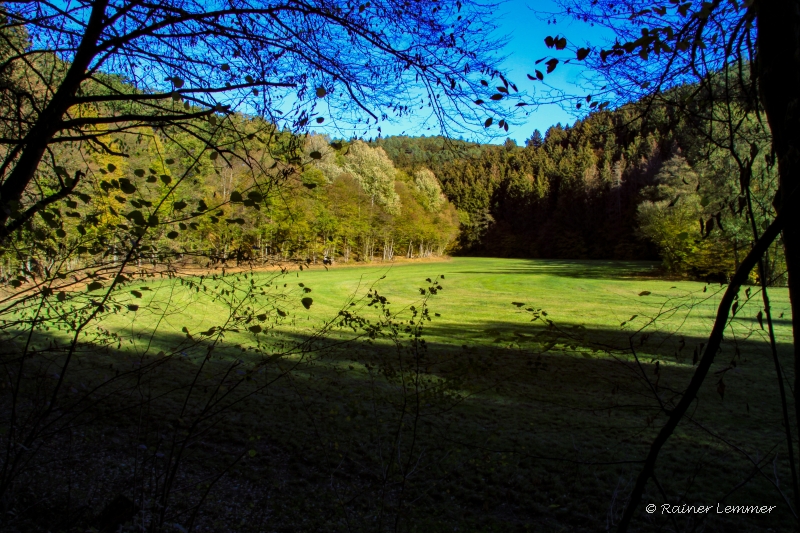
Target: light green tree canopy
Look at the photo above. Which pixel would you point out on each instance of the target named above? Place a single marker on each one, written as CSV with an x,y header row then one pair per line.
x,y
318,151
375,172
429,188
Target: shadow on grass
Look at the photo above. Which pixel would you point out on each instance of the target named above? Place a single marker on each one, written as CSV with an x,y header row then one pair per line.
x,y
591,269
651,342
527,427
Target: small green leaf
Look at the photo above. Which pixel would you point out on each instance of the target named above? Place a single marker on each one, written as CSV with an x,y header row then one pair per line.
x,y
172,235
307,301
93,286
137,294
645,293
133,307
252,453
61,296
166,179
321,92
255,329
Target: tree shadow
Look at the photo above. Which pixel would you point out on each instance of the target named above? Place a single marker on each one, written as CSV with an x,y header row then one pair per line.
x,y
589,269
537,424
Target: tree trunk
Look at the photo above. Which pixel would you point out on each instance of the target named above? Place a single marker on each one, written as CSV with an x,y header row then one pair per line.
x,y
778,64
778,49
49,122
714,341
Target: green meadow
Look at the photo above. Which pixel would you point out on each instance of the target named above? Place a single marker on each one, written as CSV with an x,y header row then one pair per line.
x,y
476,305
521,396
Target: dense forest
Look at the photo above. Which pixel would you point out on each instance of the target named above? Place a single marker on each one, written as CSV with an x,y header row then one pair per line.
x,y
343,201
640,182
616,185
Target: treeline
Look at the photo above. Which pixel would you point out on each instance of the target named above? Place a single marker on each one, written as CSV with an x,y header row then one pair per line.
x,y
644,181
634,183
267,196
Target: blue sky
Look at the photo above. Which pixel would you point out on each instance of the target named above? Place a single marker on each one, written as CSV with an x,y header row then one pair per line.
x,y
526,32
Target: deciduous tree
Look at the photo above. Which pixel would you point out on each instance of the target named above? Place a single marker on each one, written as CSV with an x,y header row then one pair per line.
x,y
188,65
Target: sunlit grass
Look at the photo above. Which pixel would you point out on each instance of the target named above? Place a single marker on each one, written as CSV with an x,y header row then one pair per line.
x,y
476,305
534,421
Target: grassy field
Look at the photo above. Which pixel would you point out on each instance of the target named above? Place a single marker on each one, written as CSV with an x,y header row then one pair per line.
x,y
476,304
482,420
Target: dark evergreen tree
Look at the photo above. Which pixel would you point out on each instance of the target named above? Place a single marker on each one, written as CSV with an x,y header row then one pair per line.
x,y
536,140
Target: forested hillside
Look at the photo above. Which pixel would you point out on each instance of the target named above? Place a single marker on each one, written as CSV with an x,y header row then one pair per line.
x,y
345,201
640,182
634,183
